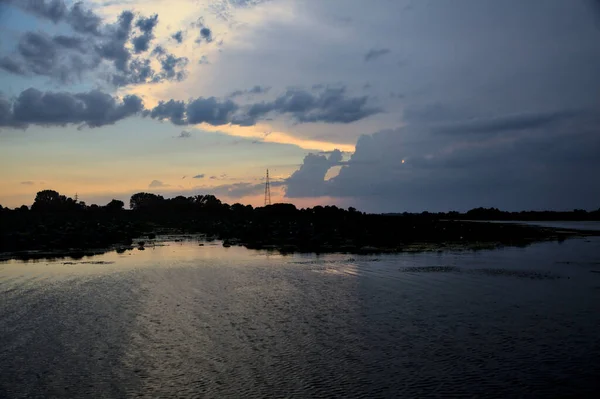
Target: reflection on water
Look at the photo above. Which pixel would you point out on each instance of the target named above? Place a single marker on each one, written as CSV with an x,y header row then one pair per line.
x,y
558,224
185,320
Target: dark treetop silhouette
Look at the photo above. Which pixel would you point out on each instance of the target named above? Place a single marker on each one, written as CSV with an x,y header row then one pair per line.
x,y
59,225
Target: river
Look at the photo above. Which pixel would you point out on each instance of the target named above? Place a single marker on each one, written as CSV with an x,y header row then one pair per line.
x,y
184,320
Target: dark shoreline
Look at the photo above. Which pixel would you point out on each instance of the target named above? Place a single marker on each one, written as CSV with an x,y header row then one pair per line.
x,y
59,226
149,240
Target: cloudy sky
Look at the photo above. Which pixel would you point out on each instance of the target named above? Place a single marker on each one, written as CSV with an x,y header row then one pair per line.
x,y
385,105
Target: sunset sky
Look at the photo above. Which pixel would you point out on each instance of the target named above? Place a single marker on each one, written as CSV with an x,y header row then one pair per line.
x,y
387,106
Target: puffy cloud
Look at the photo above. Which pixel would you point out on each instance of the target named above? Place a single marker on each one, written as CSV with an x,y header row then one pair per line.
x,y
81,20
309,180
147,25
141,43
61,57
96,108
157,184
54,10
12,66
331,105
68,58
92,109
210,110
113,48
5,112
200,176
171,110
172,68
200,110
205,34
178,36
257,89
184,135
376,53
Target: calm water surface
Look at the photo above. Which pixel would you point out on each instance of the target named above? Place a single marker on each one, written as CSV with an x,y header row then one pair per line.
x,y
184,320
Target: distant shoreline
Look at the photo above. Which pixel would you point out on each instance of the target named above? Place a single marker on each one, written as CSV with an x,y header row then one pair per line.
x,y
56,225
551,234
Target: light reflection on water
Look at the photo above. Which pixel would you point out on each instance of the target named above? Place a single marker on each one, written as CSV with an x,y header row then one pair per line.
x,y
185,320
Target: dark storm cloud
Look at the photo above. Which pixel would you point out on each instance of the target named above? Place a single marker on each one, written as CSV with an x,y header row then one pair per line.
x,y
505,123
595,6
492,117
546,161
92,109
376,53
309,179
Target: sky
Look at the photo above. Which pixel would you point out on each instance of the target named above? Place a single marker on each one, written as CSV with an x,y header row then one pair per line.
x,y
385,105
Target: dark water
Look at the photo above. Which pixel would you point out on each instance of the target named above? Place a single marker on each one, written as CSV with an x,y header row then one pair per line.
x,y
189,321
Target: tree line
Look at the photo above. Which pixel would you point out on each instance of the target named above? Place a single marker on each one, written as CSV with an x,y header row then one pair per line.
x,y
52,201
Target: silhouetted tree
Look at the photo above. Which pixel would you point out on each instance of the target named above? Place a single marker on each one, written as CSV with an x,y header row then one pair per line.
x,y
181,203
46,200
208,201
114,206
52,201
145,201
